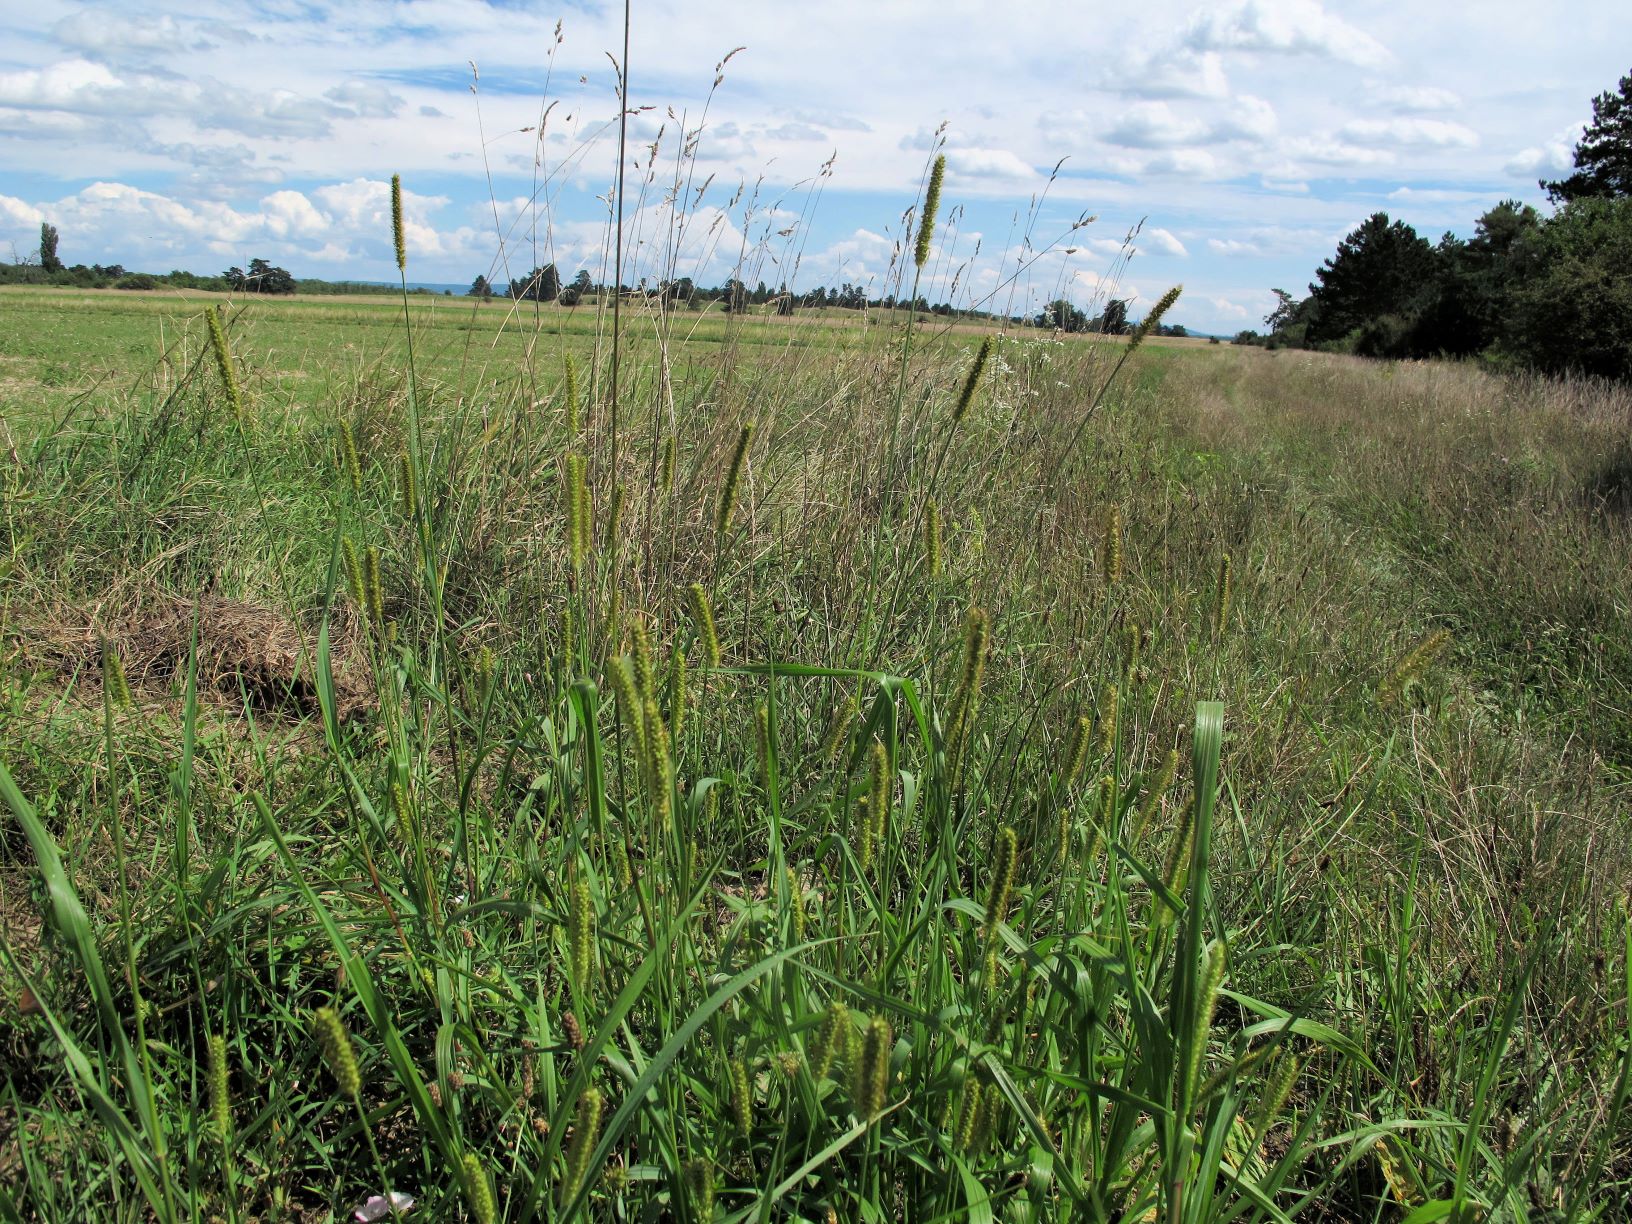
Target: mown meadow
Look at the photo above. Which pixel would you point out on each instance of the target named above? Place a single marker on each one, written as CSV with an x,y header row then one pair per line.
x,y
711,769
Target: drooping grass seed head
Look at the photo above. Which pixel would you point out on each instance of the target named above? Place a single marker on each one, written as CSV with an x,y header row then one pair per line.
x,y
477,1192
666,468
699,1178
831,1039
223,363
1153,318
1107,720
1211,982
397,239
864,833
966,701
733,481
762,737
356,586
220,1101
871,1089
409,483
932,205
702,619
632,708
1278,1087
335,1043
640,642
1157,790
575,497
878,790
963,1134
971,381
586,1131
573,1031
679,696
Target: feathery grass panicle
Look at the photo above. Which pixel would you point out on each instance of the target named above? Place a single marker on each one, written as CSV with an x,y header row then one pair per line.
x,y
702,619
665,480
1154,316
932,205
932,539
640,644
971,381
1110,547
679,697
397,240
349,458
575,497
742,1099
335,1043
632,707
223,363
733,481
1221,596
1278,1085
409,483
477,1192
220,1101
586,1131
871,1089
115,686
581,936
963,1133
1005,850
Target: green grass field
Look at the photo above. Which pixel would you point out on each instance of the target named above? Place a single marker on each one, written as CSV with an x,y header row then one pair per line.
x,y
1187,783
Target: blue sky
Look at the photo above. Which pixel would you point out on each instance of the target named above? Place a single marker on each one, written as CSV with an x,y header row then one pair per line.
x,y
1248,136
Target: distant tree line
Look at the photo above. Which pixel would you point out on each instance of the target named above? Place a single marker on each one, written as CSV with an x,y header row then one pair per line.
x,y
1553,293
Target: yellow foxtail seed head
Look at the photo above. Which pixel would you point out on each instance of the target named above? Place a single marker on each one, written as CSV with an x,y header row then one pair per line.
x,y
796,902
742,1100
399,808
114,684
878,790
932,539
733,480
614,515
873,1075
864,833
335,1043
1077,754
678,696
349,459
223,363
410,485
355,585
837,734
699,1175
1221,596
1148,324
659,768
1107,721
571,393
1158,788
1005,849
576,503
963,1136
586,1130
932,205
396,223
1277,1088
971,382
632,708
581,936
1212,981
375,589
220,1102
666,476
762,728
1110,553
830,1040
640,641
702,618
477,1192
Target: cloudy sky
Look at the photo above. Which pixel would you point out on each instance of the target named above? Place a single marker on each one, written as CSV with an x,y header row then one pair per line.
x,y
1246,136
